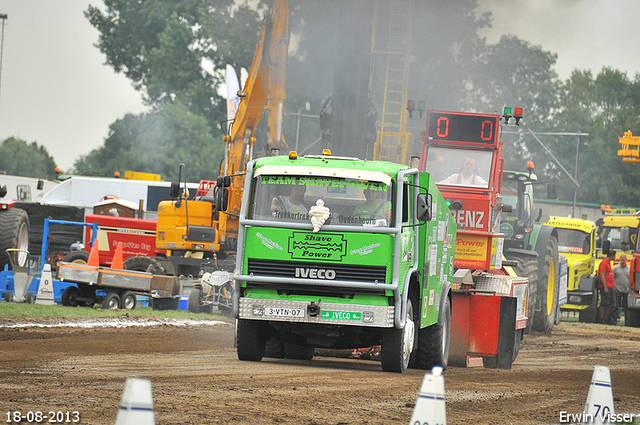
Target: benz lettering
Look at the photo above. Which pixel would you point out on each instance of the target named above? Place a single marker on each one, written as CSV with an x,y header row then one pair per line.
x,y
327,274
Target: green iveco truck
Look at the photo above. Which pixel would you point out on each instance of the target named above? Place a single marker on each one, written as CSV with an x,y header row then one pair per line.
x,y
340,253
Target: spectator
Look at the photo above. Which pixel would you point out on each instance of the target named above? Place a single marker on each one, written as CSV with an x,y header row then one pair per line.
x,y
607,287
621,279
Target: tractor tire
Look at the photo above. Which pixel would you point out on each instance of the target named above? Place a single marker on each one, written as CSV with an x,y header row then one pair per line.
x,y
144,264
547,293
434,341
251,340
396,344
527,267
14,234
298,352
78,257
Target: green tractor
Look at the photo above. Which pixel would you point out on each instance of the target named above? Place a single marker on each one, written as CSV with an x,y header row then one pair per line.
x,y
532,246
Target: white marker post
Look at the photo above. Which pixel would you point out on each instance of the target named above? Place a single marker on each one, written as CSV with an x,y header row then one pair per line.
x,y
430,406
136,407
599,406
45,289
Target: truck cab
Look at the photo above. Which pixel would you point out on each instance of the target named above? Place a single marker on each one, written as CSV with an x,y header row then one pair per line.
x,y
338,252
577,242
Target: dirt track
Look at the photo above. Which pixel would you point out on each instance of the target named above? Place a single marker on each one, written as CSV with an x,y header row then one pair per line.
x,y
197,378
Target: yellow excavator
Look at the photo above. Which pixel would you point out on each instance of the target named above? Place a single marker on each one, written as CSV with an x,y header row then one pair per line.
x,y
206,226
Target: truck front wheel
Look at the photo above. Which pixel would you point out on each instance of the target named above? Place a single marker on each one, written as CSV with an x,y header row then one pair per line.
x,y
251,340
434,341
397,344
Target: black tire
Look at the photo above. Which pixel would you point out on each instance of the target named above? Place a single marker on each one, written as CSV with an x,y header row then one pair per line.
x,y
128,300
547,293
70,296
8,296
193,304
634,318
144,264
78,257
516,344
251,340
396,344
298,352
434,341
274,349
527,267
30,298
111,301
14,234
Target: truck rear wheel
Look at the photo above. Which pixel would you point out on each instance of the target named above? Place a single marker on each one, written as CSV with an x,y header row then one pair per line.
x,y
14,234
251,340
545,318
274,349
298,351
397,344
527,267
434,341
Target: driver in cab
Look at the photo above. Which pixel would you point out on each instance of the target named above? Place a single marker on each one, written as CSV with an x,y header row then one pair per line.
x,y
467,177
374,207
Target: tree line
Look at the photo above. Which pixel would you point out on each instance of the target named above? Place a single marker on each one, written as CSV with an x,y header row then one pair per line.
x,y
174,54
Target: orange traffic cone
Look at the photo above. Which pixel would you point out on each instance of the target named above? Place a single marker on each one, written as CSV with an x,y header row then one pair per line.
x,y
116,263
94,255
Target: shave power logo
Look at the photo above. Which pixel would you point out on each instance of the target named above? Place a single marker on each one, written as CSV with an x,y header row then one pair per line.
x,y
309,246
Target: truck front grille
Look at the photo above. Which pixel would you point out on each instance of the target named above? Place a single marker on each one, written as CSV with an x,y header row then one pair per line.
x,y
292,269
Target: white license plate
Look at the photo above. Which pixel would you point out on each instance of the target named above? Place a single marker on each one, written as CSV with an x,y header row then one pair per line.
x,y
283,312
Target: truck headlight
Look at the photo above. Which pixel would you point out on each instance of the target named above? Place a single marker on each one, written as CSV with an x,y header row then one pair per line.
x,y
574,299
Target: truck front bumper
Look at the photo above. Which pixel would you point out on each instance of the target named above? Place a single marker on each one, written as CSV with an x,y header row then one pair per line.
x,y
320,312
578,299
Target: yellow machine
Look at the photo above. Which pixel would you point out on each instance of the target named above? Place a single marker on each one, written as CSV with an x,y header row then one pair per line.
x,y
577,242
207,225
617,227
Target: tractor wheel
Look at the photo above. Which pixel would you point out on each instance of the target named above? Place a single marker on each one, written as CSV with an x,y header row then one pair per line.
x,y
78,257
397,344
434,341
298,352
251,340
545,318
144,264
527,267
14,234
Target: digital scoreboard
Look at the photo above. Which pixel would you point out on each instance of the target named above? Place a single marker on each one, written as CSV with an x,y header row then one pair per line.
x,y
462,127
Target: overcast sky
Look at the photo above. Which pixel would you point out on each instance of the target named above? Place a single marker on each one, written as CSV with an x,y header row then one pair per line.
x,y
55,89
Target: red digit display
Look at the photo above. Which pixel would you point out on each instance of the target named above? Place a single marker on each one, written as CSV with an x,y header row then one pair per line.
x,y
462,127
439,130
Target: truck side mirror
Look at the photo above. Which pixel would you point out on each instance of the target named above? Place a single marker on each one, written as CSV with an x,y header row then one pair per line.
x,y
625,238
174,192
552,190
606,246
3,191
423,207
222,201
40,185
223,181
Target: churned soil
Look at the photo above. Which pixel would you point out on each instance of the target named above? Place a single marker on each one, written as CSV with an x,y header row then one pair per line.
x,y
197,378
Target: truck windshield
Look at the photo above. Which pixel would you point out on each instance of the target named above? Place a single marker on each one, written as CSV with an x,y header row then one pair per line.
x,y
573,241
350,202
459,167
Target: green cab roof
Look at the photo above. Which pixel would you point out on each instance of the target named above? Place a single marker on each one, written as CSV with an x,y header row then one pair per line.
x,y
328,161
